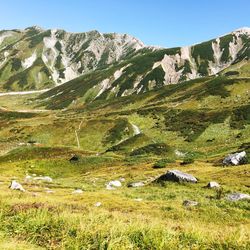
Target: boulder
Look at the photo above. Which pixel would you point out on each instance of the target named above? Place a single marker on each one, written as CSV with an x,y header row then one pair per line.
x,y
77,191
98,204
50,191
189,203
136,184
74,158
176,176
138,199
43,178
16,186
235,159
213,184
238,196
113,184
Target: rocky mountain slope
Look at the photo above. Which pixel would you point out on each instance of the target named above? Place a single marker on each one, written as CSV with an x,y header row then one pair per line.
x,y
149,70
80,68
35,58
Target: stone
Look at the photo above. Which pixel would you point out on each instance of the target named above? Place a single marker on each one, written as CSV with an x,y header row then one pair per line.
x,y
238,196
50,191
189,203
74,158
176,176
136,184
77,191
98,204
138,199
213,184
43,178
113,184
16,186
235,159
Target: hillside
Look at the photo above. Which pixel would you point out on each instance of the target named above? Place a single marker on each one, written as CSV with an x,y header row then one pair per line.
x,y
127,121
153,69
36,59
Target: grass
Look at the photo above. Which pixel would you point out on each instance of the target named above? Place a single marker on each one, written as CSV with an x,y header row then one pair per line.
x,y
73,222
198,122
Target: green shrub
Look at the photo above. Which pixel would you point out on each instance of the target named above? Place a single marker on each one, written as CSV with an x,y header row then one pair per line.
x,y
162,163
187,160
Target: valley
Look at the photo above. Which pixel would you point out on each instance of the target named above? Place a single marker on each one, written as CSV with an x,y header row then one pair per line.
x,y
140,114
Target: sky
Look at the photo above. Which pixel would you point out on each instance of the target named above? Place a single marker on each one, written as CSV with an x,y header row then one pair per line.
x,y
167,23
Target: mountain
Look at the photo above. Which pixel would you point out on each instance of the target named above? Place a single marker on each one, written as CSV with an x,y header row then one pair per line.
x,y
92,65
153,69
35,58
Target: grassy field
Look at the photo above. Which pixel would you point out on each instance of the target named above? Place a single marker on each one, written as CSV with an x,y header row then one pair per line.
x,y
200,121
149,217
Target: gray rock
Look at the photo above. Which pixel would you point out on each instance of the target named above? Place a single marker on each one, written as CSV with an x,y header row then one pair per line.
x,y
213,184
113,184
189,203
43,178
136,184
77,191
235,159
176,176
16,186
238,196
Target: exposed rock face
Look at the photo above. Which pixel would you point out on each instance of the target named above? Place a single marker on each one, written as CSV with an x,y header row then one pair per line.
x,y
238,196
37,59
235,159
16,186
52,57
213,184
176,176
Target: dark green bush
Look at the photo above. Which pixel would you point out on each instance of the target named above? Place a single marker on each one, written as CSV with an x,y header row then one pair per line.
x,y
162,163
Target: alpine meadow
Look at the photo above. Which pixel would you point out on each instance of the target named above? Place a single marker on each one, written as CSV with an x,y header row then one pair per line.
x,y
108,143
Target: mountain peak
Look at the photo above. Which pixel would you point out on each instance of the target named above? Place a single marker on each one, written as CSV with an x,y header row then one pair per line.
x,y
243,30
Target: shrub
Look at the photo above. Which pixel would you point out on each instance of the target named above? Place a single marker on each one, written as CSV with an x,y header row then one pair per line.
x,y
162,163
187,160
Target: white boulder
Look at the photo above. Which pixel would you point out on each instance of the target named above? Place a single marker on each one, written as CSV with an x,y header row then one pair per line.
x,y
238,196
16,186
189,203
98,204
43,178
213,184
113,184
136,184
77,191
235,159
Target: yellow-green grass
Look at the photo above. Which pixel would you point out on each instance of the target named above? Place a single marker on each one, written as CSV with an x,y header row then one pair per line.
x,y
62,220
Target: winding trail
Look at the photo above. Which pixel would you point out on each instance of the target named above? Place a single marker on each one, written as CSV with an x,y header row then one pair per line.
x,y
23,92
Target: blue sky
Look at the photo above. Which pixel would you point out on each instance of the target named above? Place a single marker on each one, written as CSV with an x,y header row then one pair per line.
x,y
166,23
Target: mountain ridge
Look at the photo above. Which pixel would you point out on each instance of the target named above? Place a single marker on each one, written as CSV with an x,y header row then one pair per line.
x,y
103,66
